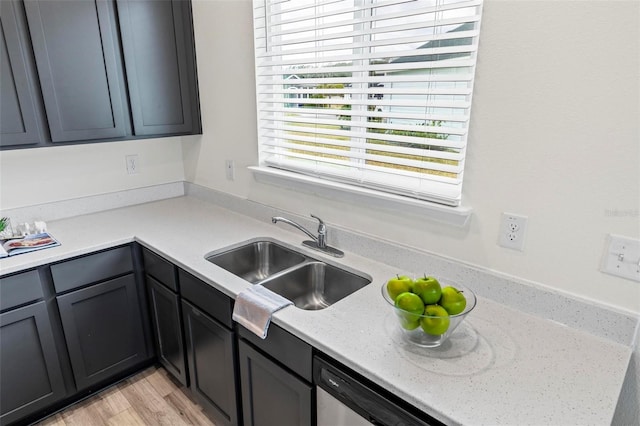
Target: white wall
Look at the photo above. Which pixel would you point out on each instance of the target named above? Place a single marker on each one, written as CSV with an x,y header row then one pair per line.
x,y
554,136
556,110
41,175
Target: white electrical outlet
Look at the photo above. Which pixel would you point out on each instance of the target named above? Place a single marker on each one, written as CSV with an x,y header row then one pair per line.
x,y
230,169
512,231
622,257
133,165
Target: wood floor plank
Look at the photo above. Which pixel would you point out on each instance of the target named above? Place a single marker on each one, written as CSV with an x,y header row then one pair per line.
x,y
128,417
191,412
144,373
103,409
55,420
114,401
161,383
151,407
149,398
139,403
84,414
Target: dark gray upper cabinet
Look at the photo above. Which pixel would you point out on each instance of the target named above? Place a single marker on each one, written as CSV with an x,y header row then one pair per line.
x,y
19,113
155,46
76,58
96,70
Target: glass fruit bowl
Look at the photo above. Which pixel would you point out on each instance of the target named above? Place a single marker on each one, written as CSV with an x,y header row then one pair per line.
x,y
433,328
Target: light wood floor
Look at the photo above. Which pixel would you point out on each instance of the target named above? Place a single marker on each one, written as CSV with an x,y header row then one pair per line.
x,y
148,398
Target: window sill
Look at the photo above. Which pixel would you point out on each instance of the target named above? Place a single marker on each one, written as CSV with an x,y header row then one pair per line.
x,y
455,216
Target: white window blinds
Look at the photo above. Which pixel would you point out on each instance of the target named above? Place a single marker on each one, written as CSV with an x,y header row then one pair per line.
x,y
375,93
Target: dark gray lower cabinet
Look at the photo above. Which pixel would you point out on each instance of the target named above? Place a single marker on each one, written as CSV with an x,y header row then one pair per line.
x,y
210,355
167,329
30,374
270,394
103,329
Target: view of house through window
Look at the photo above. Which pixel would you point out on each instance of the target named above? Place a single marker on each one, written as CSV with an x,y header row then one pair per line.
x,y
375,93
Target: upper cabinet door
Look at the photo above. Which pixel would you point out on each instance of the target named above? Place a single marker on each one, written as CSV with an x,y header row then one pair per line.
x,y
18,107
154,43
73,43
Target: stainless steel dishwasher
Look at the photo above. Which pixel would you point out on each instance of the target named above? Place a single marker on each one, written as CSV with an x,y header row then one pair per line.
x,y
345,398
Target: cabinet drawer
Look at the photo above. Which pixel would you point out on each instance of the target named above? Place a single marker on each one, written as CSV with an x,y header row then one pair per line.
x,y
283,346
160,269
207,298
20,289
91,269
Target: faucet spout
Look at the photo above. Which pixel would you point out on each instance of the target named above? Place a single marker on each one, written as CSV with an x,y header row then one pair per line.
x,y
319,242
277,219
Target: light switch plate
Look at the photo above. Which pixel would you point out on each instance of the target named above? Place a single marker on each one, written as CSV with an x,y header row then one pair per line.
x,y
622,257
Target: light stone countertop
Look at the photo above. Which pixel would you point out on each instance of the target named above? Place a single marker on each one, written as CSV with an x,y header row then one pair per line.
x,y
503,366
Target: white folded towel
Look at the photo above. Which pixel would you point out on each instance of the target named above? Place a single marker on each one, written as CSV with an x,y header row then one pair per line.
x,y
254,306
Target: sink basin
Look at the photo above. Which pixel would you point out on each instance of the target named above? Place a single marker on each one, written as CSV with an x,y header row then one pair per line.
x,y
257,260
315,285
309,283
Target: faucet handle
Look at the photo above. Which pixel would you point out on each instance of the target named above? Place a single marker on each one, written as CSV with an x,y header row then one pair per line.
x,y
322,228
322,233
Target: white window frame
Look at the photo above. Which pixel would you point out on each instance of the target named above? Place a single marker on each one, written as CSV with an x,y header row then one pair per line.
x,y
445,209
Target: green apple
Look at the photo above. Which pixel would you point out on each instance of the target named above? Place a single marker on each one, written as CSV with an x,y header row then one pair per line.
x,y
410,302
410,309
409,322
435,321
428,288
452,300
397,285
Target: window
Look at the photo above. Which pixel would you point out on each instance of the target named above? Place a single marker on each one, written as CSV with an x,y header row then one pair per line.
x,y
373,93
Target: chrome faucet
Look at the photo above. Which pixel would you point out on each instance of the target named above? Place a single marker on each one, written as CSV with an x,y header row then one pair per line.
x,y
319,242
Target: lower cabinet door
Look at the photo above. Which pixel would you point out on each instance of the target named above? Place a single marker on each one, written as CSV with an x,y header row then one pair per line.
x,y
212,371
103,329
30,372
167,329
270,394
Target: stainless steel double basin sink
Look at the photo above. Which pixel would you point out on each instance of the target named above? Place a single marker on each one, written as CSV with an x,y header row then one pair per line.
x,y
309,283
